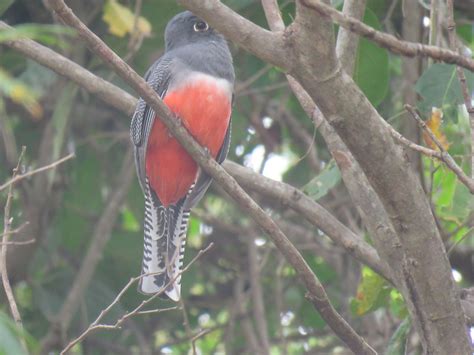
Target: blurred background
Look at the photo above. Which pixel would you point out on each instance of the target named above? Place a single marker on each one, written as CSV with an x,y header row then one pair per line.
x,y
92,205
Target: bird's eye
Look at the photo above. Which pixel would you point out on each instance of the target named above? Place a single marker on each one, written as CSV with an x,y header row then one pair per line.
x,y
201,26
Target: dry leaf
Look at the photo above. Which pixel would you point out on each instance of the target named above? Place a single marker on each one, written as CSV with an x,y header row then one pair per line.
x,y
434,123
121,20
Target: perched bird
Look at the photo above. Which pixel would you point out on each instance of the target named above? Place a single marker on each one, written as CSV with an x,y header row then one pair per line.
x,y
195,78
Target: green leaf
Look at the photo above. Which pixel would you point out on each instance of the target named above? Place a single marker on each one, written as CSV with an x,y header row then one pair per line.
x,y
466,33
329,177
372,293
398,341
447,188
129,221
9,337
397,304
452,198
371,71
439,87
463,203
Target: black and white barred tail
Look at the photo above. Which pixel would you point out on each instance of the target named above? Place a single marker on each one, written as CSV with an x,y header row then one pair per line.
x,y
165,237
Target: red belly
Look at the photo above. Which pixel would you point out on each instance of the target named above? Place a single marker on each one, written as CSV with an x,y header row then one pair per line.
x,y
204,108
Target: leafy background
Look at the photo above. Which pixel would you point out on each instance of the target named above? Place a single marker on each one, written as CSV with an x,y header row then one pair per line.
x,y
35,101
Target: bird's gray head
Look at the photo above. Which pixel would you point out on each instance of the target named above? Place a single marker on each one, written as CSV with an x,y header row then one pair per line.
x,y
186,28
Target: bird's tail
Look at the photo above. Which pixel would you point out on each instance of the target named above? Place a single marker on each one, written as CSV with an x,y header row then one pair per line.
x,y
165,237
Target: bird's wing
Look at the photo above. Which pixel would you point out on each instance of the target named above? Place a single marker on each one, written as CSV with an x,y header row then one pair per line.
x,y
158,77
204,180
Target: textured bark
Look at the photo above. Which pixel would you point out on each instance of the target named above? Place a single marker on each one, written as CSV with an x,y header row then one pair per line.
x,y
427,275
411,31
347,41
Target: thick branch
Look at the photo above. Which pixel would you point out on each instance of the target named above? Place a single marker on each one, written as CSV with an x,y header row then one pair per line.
x,y
313,212
428,284
365,199
347,41
317,294
267,45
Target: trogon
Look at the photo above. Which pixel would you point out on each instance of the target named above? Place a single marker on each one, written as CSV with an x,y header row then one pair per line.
x,y
195,78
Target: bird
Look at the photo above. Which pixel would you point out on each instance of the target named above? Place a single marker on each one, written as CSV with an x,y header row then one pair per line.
x,y
195,79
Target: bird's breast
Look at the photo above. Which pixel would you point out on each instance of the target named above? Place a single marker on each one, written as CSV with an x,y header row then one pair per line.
x,y
203,103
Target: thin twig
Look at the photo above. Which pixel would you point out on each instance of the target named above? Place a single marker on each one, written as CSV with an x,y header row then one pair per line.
x,y
187,325
7,221
249,81
385,40
442,154
95,325
25,242
16,178
434,22
16,230
462,78
451,248
257,296
347,41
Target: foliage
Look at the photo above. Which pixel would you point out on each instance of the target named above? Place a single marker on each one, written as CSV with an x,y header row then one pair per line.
x,y
398,342
121,20
73,120
326,180
372,62
439,87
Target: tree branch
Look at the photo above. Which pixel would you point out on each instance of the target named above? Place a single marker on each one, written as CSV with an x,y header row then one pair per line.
x,y
257,295
313,212
365,199
462,78
442,154
409,49
347,41
267,45
137,311
3,256
435,313
18,177
317,293
108,92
